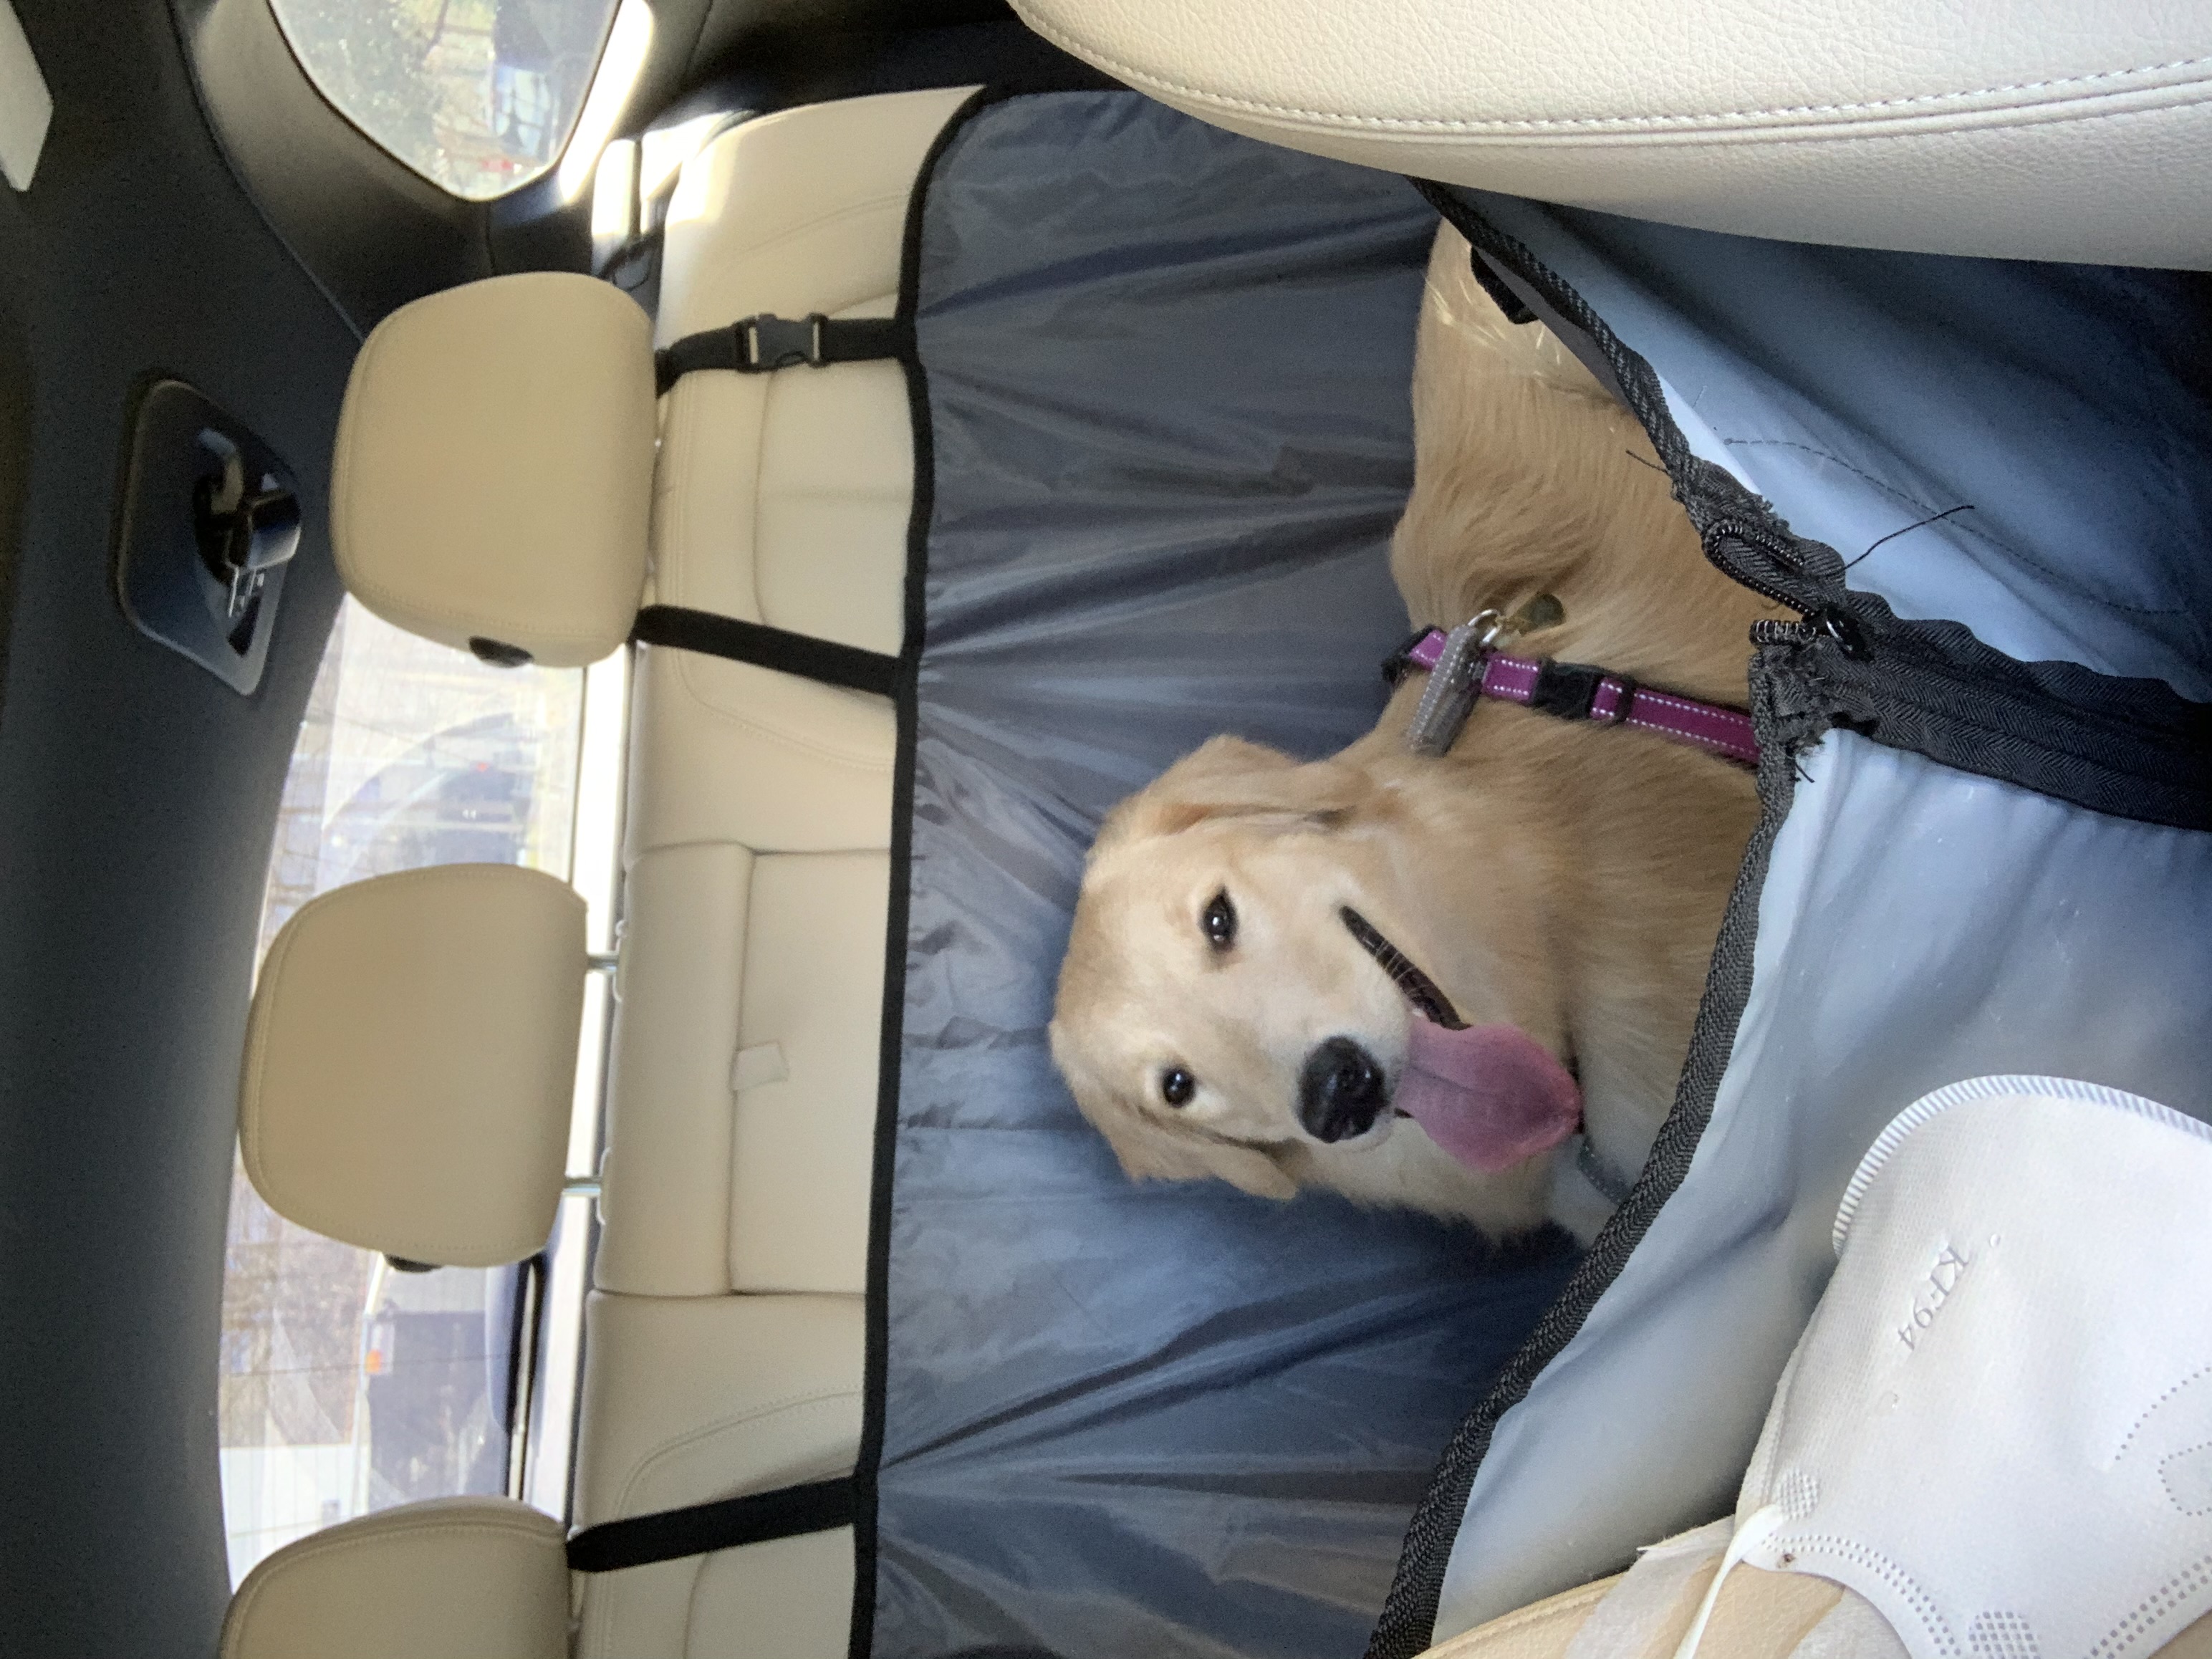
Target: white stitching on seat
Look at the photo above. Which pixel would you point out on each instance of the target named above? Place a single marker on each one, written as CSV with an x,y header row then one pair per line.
x,y
1598,123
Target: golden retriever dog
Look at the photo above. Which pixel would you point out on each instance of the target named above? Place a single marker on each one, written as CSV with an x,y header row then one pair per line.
x,y
1261,945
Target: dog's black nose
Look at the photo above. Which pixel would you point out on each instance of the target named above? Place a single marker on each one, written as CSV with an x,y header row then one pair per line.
x,y
1339,1090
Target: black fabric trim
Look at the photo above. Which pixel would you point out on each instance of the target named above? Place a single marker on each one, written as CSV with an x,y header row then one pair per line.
x,y
763,344
778,648
1407,1623
908,701
702,1528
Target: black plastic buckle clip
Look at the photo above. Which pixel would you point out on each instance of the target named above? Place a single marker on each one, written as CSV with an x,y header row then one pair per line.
x,y
1399,663
767,342
1569,691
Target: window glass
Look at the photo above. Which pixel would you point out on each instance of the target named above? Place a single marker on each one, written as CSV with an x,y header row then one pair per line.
x,y
347,1385
477,95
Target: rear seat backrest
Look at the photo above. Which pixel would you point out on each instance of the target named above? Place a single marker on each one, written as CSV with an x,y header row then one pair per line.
x,y
743,1089
453,1578
411,1063
784,499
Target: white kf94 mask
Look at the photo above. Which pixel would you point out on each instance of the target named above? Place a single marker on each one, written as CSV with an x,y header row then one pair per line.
x,y
1997,1426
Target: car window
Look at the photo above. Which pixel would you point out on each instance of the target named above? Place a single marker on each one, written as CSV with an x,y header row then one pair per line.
x,y
479,96
347,1384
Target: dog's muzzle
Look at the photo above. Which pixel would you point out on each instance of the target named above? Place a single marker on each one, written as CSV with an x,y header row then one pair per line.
x,y
1341,1090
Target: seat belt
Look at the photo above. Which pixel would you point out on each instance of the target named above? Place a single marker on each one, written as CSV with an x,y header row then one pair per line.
x,y
759,345
848,665
637,1541
764,344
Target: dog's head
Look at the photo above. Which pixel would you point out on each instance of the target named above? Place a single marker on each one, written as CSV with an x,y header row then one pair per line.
x,y
1217,1015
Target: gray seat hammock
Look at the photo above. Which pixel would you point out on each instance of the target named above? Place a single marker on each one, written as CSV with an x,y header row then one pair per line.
x,y
1159,377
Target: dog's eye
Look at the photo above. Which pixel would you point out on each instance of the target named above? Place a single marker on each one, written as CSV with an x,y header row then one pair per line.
x,y
1219,921
1177,1086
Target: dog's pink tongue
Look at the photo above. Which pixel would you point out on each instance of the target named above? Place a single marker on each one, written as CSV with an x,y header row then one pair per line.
x,y
1490,1096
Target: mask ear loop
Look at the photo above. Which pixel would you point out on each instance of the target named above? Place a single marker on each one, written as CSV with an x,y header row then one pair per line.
x,y
1757,1527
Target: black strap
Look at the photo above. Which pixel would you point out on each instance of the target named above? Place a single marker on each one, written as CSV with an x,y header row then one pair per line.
x,y
761,345
671,1535
771,648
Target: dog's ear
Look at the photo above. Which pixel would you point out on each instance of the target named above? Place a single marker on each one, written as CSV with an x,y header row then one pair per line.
x,y
1229,777
1150,1154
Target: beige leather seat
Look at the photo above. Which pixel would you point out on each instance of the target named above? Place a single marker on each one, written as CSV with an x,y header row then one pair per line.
x,y
2027,129
496,457
410,1065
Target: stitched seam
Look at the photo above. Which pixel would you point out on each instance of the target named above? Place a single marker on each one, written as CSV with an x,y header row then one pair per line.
x,y
2128,1439
852,759
2154,1609
1686,737
365,590
1908,1588
649,1463
1603,123
1690,707
249,1117
872,204
2171,1496
684,433
341,469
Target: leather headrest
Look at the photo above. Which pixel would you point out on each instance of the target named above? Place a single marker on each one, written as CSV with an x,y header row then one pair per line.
x,y
411,1063
452,1578
494,474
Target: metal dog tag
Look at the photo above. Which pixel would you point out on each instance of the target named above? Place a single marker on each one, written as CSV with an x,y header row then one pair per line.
x,y
1456,680
1454,685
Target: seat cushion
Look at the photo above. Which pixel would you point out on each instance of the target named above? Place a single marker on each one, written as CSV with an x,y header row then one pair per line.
x,y
801,1155
687,1400
741,1110
781,498
742,1097
760,803
792,1598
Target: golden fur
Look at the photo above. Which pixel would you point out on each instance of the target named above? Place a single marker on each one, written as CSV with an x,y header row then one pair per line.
x,y
1565,879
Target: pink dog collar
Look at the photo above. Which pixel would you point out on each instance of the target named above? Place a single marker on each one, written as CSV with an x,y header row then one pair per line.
x,y
1575,692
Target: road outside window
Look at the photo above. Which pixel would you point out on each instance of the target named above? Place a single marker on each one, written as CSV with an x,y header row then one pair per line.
x,y
479,96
